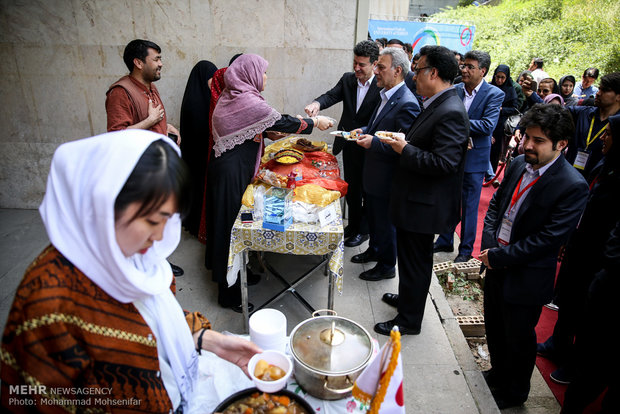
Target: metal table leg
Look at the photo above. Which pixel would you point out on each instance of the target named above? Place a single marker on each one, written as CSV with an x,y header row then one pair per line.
x,y
244,291
331,285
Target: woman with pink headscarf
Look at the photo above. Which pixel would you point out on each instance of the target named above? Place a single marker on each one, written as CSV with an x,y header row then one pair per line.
x,y
240,120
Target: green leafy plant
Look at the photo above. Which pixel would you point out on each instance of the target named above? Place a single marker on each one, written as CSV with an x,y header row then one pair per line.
x,y
570,35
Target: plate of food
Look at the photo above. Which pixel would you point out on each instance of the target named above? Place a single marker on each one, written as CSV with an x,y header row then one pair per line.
x,y
304,145
390,135
283,401
288,156
349,136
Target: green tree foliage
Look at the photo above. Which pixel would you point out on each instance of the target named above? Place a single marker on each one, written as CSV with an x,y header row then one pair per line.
x,y
570,35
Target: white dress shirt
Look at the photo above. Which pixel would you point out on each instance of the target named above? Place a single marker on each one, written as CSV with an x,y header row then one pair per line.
x,y
362,90
469,98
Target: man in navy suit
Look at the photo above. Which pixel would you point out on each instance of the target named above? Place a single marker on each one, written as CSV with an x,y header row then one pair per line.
x,y
483,103
426,190
396,112
359,95
532,214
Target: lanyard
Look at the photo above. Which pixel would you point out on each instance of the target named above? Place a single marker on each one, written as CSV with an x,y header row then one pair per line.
x,y
517,194
591,139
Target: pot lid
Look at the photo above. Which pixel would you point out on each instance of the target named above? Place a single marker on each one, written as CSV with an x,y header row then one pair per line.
x,y
331,344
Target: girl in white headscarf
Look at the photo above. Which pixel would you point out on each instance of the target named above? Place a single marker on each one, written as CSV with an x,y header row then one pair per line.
x,y
95,311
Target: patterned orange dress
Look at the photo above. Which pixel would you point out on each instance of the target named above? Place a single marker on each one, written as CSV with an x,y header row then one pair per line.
x,y
70,347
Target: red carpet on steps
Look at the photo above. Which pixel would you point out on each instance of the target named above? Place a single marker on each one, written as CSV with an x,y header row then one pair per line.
x,y
544,329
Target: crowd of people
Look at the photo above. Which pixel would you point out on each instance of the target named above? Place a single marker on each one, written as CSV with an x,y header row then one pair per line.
x,y
115,204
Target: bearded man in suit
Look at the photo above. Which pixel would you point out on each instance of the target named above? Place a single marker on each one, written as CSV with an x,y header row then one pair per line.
x,y
531,215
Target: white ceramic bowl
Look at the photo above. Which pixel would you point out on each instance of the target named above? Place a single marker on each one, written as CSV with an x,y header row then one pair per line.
x,y
274,358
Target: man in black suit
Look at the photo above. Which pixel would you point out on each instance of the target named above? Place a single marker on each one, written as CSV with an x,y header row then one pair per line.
x,y
396,112
425,197
359,95
529,218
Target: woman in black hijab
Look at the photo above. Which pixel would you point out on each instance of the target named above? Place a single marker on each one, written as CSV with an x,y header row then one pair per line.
x,y
567,86
510,105
195,130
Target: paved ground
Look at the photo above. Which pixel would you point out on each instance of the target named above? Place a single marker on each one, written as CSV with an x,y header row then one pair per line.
x,y
440,373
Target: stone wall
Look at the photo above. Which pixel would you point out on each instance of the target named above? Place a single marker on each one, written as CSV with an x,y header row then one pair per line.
x,y
58,57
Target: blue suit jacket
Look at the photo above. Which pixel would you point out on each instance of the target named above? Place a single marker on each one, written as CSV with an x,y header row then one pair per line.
x,y
483,115
397,115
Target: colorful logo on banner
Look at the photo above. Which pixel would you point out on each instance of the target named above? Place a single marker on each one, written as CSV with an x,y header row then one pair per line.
x,y
425,33
459,37
467,36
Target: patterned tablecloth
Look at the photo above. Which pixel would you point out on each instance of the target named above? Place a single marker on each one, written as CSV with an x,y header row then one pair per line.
x,y
299,239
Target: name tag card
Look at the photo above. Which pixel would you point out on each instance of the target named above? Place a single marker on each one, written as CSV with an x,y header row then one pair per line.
x,y
581,160
327,215
505,230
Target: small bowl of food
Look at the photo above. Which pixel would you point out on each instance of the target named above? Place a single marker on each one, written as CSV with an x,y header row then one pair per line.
x,y
270,370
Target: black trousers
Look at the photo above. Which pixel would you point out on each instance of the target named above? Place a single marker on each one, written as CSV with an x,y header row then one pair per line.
x,y
511,337
382,231
353,163
415,268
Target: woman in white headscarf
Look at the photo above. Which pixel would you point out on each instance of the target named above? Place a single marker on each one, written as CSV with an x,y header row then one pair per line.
x,y
95,311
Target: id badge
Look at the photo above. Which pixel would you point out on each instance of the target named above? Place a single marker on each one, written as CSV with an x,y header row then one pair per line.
x,y
581,160
503,236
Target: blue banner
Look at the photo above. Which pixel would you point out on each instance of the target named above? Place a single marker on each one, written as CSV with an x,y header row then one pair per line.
x,y
453,36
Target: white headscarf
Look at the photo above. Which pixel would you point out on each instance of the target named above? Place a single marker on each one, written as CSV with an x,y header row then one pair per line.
x,y
85,178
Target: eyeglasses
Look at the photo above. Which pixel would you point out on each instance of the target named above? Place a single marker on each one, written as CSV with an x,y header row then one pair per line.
x,y
468,66
417,69
545,91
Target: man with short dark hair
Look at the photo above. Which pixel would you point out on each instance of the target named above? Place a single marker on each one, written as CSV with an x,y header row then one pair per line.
x,y
483,103
585,89
359,95
530,216
133,101
536,67
396,112
585,150
425,195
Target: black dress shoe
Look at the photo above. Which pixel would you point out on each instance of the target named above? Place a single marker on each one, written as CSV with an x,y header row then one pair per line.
x,y
176,270
441,248
384,328
507,402
239,308
355,240
391,299
377,273
367,256
462,258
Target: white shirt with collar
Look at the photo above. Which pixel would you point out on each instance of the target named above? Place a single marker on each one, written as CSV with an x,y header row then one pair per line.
x,y
362,90
386,95
428,101
469,98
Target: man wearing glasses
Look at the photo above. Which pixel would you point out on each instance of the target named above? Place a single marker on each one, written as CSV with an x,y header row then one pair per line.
x,y
483,103
426,188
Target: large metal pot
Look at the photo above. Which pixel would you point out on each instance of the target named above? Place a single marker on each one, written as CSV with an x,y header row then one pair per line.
x,y
329,353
